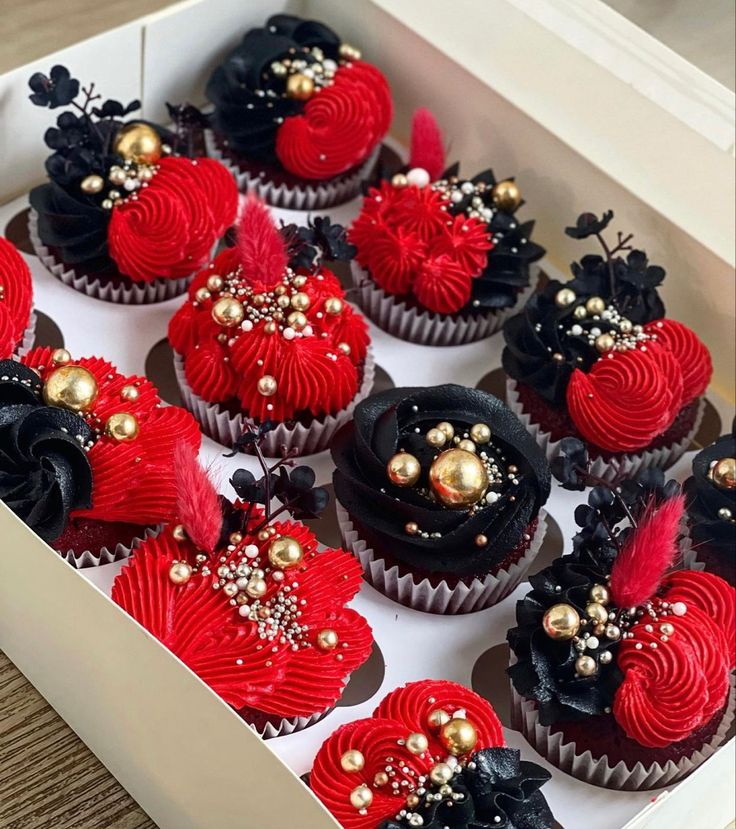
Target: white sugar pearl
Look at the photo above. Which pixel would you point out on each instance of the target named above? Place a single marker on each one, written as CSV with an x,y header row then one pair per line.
x,y
251,551
246,325
289,333
418,176
679,608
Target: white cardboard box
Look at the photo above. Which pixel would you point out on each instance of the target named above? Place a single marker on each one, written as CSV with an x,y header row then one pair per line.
x,y
178,749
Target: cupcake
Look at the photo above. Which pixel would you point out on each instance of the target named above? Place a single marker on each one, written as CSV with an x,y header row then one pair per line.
x,y
596,359
17,320
441,259
298,116
432,755
621,668
87,454
272,633
122,217
266,336
711,508
440,493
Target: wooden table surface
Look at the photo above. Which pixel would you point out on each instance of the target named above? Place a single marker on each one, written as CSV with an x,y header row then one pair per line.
x,y
48,778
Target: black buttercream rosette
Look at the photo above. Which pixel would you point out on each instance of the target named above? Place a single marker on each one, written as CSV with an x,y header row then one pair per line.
x,y
499,791
399,419
44,470
248,97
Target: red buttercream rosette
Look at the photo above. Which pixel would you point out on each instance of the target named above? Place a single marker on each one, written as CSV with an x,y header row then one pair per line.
x,y
690,353
339,126
676,669
168,229
387,755
16,298
251,662
133,481
317,371
408,242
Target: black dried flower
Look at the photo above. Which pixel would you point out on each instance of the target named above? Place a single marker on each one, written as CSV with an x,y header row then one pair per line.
x,y
588,224
295,489
56,89
570,466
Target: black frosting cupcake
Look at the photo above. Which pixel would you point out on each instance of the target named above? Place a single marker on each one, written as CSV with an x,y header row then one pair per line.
x,y
711,507
440,490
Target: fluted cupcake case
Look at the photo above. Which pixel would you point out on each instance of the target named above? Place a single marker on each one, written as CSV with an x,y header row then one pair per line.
x,y
29,337
89,558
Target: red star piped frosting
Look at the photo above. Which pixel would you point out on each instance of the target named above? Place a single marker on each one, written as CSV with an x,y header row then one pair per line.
x,y
16,297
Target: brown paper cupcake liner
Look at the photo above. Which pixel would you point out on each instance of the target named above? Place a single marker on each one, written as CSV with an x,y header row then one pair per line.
x,y
599,772
28,338
105,555
301,197
427,327
625,465
421,594
225,428
133,293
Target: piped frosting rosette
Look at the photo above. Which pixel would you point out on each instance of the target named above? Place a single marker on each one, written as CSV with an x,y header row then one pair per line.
x,y
123,217
267,335
87,453
595,358
622,665
17,320
432,755
298,116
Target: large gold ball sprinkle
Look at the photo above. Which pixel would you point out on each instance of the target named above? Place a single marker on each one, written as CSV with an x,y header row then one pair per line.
x,y
70,387
228,312
481,433
604,343
595,305
349,52
202,294
352,761
256,588
403,469
599,593
447,429
180,572
380,778
596,612
580,313
215,283
327,639
436,438
300,301
361,797
506,195
267,385
467,445
565,297
399,180
138,143
585,666
130,393
299,87
437,718
334,306
285,552
60,357
297,320
458,736
561,622
441,773
724,473
417,743
179,533
122,426
411,528
92,184
458,478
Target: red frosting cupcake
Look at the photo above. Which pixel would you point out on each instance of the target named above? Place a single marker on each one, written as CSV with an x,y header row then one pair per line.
x,y
622,672
594,358
431,755
298,116
123,217
17,321
274,637
87,454
267,335
441,259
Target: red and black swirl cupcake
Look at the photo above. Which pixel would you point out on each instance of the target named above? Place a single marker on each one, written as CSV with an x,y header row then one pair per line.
x,y
17,320
267,336
250,603
123,216
595,358
622,665
298,116
711,508
87,454
432,755
439,495
441,259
